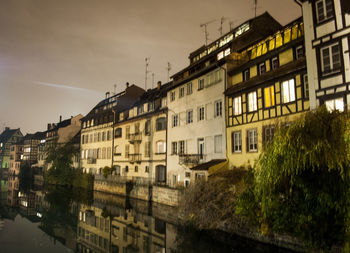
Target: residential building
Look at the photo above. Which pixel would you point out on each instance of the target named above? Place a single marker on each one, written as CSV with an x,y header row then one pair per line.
x,y
7,138
97,129
16,156
267,86
31,144
140,138
327,41
196,103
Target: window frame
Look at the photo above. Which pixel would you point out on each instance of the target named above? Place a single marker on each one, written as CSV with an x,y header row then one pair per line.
x,y
189,116
201,113
218,108
329,48
325,14
255,140
239,112
290,98
236,136
272,99
254,104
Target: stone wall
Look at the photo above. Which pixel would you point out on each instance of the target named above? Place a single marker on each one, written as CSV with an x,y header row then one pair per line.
x,y
110,187
166,196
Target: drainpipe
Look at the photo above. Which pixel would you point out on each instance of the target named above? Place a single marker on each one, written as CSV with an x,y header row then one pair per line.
x,y
113,137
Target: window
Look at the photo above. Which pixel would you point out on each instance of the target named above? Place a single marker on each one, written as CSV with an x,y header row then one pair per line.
x,y
136,169
306,86
118,132
181,147
252,140
127,132
161,147
189,88
269,96
218,109
299,52
269,132
218,143
147,169
175,120
201,113
103,136
147,149
275,63
335,104
127,150
189,118
288,91
201,84
139,109
174,148
108,135
148,127
330,56
150,106
213,77
82,139
161,124
236,139
160,174
324,10
237,106
246,75
262,68
252,103
172,95
181,92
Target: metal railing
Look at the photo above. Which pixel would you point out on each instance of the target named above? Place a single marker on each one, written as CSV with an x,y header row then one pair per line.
x,y
91,161
135,137
189,159
134,158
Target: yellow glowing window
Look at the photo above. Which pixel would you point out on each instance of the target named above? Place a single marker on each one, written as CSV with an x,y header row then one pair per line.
x,y
253,55
258,51
287,34
272,44
301,30
295,32
279,41
264,48
269,95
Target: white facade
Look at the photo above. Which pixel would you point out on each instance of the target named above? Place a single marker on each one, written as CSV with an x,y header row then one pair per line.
x,y
327,36
196,125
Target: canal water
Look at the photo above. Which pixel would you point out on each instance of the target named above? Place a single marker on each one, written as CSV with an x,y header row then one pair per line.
x,y
64,220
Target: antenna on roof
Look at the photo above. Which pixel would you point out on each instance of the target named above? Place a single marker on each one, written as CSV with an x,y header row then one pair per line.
x,y
115,89
222,20
152,79
206,31
168,69
255,7
147,59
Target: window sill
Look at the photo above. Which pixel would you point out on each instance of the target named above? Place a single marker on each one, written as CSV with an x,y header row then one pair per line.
x,y
252,151
237,152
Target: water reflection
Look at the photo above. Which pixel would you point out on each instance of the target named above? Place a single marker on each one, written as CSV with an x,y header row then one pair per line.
x,y
66,220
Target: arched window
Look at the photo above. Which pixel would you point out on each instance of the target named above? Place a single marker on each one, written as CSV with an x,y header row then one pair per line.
x,y
148,127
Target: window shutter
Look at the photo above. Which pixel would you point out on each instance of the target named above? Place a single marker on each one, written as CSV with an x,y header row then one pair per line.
x,y
247,141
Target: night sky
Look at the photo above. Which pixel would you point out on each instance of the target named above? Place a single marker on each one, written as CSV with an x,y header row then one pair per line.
x,y
59,57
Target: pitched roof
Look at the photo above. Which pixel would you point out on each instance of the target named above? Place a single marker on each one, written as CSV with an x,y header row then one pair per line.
x,y
207,165
7,134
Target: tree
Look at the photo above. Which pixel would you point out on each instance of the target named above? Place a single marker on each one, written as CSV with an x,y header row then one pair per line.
x,y
60,157
301,184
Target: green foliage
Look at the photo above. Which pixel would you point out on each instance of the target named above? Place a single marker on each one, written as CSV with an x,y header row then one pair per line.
x,y
108,171
300,184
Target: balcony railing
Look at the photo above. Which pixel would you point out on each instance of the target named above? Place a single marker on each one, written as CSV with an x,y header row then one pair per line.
x,y
91,161
190,159
134,158
136,137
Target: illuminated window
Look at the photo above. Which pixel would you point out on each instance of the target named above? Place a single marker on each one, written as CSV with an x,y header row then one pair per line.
x,y
227,51
252,140
243,28
324,10
287,35
269,95
279,40
272,44
295,32
335,104
288,91
258,51
220,55
330,56
264,49
237,106
236,140
252,102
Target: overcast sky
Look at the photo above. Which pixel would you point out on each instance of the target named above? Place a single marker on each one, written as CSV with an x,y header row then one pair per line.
x,y
59,57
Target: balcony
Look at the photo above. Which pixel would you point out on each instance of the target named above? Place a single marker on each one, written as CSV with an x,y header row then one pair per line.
x,y
136,137
190,159
135,158
91,161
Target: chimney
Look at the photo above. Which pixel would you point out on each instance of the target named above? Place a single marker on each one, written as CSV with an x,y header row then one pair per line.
x,y
107,94
60,118
7,128
127,84
159,84
48,126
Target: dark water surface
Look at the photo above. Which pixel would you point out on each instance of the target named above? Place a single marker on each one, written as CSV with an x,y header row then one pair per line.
x,y
65,220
